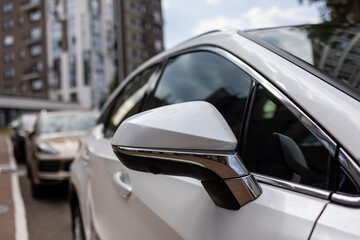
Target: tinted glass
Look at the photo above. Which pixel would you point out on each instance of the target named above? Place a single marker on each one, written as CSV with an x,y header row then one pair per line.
x,y
208,77
66,123
334,49
280,146
129,101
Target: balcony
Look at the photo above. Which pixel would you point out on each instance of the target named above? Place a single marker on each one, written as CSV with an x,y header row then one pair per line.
x,y
33,72
31,40
29,5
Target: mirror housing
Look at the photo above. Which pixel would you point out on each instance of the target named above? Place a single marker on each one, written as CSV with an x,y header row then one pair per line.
x,y
188,139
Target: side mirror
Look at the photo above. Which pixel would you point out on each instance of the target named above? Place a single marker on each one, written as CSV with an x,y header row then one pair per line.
x,y
188,139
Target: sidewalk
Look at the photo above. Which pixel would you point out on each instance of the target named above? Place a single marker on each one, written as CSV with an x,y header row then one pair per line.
x,y
7,212
13,225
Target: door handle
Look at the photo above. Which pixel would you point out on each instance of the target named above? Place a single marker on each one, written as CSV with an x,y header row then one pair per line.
x,y
122,179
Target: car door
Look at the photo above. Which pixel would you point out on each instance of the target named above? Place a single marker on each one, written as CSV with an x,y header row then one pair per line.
x,y
143,205
113,214
287,208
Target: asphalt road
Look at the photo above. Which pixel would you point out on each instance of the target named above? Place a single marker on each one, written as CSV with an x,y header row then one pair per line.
x,y
48,218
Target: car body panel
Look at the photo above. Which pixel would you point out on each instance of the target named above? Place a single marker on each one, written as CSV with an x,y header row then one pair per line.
x,y
155,200
338,222
135,220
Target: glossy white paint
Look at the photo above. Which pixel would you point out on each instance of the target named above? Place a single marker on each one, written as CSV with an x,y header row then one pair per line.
x,y
186,207
166,207
338,222
190,125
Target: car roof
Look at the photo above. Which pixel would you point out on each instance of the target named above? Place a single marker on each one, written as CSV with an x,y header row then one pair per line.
x,y
331,108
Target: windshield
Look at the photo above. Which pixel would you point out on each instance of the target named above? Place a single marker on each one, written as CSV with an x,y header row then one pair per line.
x,y
334,49
66,123
28,121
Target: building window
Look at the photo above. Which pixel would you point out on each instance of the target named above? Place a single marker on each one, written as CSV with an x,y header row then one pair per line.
x,y
70,7
35,33
7,8
87,68
8,40
37,85
72,70
8,24
9,73
9,57
22,53
54,82
35,50
158,45
21,20
73,97
99,70
157,17
35,16
71,33
96,31
56,38
23,87
9,90
94,7
37,67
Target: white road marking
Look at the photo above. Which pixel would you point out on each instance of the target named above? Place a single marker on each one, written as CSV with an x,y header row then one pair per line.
x,y
21,231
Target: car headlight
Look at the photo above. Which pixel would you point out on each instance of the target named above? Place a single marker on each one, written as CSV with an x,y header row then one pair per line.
x,y
44,148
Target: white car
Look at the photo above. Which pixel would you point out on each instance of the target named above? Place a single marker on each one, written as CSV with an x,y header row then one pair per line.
x,y
230,135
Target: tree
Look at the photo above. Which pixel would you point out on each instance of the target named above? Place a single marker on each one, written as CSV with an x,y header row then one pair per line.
x,y
336,11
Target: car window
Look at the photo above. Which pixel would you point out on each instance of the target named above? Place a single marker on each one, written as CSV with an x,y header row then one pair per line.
x,y
345,183
207,77
279,145
129,101
66,123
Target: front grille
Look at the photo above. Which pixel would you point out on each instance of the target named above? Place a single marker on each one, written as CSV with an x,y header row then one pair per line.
x,y
67,165
49,166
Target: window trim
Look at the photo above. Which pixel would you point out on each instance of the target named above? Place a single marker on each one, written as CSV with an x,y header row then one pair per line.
x,y
110,104
311,125
353,169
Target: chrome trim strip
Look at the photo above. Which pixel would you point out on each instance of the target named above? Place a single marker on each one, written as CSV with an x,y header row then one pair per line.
x,y
319,193
227,168
347,200
353,170
350,165
226,165
300,115
252,185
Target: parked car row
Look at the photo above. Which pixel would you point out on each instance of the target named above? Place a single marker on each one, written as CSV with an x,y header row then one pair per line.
x,y
48,142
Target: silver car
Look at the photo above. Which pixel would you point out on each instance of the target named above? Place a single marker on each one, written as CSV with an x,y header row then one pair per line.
x,y
230,135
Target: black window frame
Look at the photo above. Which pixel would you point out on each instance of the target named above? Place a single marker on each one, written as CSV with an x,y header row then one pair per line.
x,y
108,111
210,49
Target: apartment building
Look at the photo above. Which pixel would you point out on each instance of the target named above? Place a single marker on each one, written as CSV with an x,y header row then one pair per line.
x,y
70,50
23,53
81,52
341,56
140,32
